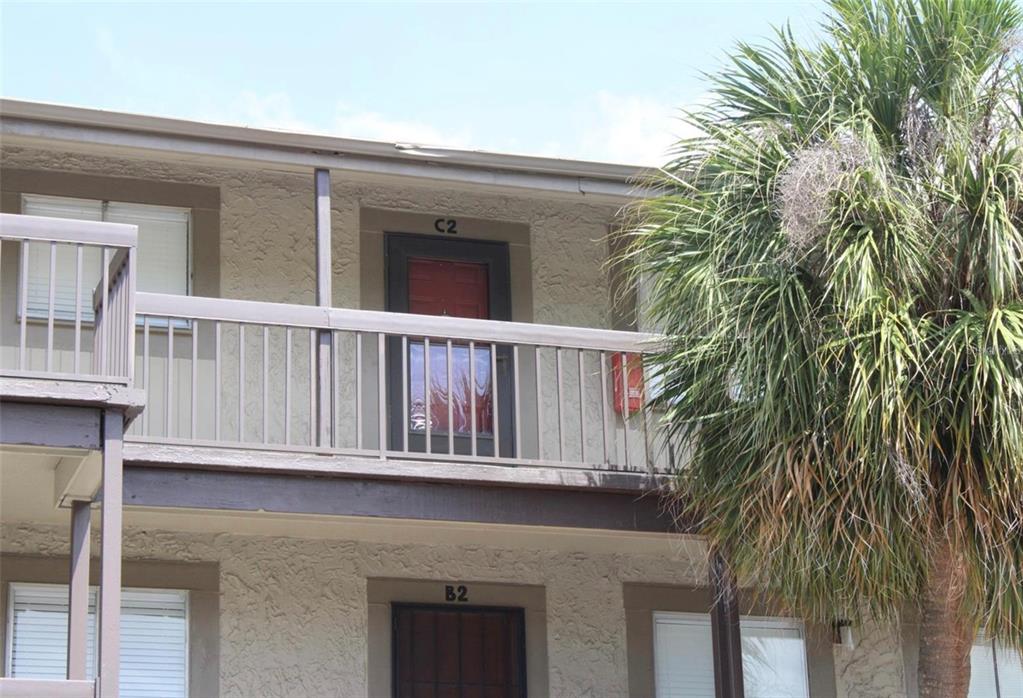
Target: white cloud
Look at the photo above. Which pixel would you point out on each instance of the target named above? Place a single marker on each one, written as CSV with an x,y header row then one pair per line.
x,y
608,126
352,123
273,110
631,129
277,111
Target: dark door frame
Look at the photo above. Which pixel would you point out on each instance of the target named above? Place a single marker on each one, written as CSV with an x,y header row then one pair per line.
x,y
398,248
519,612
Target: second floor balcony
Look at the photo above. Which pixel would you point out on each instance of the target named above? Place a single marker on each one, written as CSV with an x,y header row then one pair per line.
x,y
390,391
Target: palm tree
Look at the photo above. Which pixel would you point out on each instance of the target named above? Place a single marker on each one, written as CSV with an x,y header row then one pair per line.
x,y
837,263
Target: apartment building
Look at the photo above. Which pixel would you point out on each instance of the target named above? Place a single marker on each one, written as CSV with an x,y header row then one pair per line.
x,y
294,415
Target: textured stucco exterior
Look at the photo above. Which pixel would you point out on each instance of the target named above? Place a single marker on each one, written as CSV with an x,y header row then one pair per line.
x,y
875,667
293,610
267,249
266,252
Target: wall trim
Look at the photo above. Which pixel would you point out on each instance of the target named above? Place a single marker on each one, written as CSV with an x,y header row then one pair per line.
x,y
394,499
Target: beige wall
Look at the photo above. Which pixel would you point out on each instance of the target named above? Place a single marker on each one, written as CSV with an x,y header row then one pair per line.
x,y
877,665
266,243
258,244
295,613
294,610
303,615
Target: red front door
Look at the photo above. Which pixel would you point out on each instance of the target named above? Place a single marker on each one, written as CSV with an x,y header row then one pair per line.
x,y
444,287
456,289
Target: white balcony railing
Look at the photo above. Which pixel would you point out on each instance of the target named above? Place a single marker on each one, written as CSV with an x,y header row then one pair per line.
x,y
272,376
242,374
74,289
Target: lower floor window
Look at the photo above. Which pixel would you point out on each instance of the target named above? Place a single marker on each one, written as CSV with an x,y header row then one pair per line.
x,y
996,670
154,638
773,657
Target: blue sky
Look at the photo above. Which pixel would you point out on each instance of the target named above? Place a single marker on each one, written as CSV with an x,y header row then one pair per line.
x,y
590,81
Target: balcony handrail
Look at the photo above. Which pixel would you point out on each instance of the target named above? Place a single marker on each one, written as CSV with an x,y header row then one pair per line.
x,y
111,299
15,226
352,320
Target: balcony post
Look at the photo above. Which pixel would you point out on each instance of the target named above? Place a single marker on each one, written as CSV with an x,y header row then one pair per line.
x,y
725,635
110,556
78,589
324,413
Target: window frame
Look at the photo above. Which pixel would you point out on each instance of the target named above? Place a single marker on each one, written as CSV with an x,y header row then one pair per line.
x,y
13,586
996,648
40,318
704,620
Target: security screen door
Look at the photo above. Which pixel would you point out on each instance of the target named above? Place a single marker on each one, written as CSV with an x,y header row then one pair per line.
x,y
454,278
458,652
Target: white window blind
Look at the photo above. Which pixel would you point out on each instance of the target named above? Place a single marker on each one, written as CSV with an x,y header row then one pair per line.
x,y
154,638
37,646
683,656
773,657
163,254
996,670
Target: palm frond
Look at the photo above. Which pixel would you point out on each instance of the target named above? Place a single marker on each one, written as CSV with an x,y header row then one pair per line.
x,y
837,264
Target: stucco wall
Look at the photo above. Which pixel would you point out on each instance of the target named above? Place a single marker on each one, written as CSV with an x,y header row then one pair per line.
x,y
294,611
267,247
266,252
875,667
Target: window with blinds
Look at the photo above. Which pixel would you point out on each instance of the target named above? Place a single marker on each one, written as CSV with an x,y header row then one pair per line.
x,y
773,657
154,638
163,254
996,670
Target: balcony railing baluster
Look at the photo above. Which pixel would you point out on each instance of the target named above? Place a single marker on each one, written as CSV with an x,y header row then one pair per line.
x,y
381,395
79,251
461,411
287,385
358,390
50,273
23,276
51,303
169,395
266,384
494,398
216,380
582,407
516,387
193,411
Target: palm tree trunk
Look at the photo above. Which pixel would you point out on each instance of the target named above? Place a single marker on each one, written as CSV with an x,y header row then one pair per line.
x,y
945,639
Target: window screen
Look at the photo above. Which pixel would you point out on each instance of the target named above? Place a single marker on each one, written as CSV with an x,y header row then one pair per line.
x,y
154,638
996,670
773,657
162,253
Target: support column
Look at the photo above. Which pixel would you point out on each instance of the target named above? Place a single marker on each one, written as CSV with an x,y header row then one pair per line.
x,y
325,413
78,589
724,625
110,556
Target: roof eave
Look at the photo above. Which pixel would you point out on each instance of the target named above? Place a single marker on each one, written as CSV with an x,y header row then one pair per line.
x,y
78,123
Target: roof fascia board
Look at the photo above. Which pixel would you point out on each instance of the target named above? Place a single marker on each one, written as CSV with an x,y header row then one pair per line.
x,y
48,121
16,129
